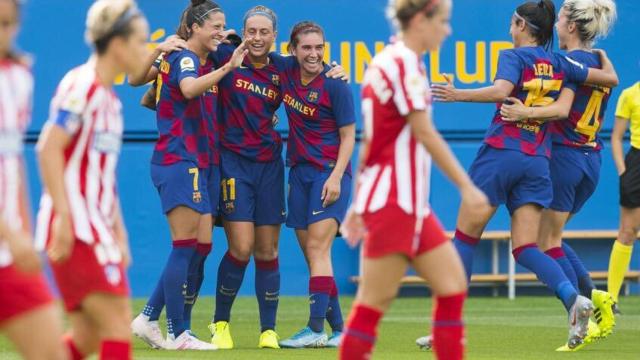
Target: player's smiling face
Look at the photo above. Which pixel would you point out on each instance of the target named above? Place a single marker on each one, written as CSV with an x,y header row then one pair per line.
x,y
209,34
8,25
260,29
310,52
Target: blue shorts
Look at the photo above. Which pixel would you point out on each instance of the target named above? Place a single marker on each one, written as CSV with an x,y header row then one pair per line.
x,y
304,200
184,184
575,174
252,191
512,178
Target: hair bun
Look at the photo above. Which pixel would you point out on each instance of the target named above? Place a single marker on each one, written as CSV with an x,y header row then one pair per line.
x,y
195,3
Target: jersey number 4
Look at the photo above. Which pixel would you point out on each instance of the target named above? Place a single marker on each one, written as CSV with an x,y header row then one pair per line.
x,y
589,123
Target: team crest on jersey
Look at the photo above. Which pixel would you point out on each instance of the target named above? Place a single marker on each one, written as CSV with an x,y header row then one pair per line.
x,y
275,79
197,197
313,96
187,64
229,207
112,273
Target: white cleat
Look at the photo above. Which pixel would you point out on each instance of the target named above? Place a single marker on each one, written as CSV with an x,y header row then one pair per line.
x,y
425,342
579,321
186,341
148,331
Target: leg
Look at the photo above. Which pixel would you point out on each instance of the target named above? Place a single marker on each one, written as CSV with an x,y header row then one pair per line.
x,y
550,241
378,287
467,236
83,338
443,271
111,316
42,323
267,281
195,275
622,249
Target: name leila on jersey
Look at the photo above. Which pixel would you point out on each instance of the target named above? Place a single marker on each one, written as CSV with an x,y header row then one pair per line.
x,y
299,106
255,88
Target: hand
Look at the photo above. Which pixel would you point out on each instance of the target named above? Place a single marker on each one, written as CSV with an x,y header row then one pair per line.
x,y
330,190
171,44
238,54
224,36
337,72
603,54
24,256
62,239
516,111
621,170
445,93
352,228
475,200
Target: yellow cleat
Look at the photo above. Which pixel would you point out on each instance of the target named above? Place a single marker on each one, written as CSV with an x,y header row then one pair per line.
x,y
603,303
269,340
221,335
593,334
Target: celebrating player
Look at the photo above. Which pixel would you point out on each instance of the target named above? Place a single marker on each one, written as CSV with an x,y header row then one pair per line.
x,y
184,169
321,141
27,311
575,161
391,208
512,166
80,221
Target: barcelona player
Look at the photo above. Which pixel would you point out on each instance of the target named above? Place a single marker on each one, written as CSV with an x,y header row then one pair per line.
x,y
80,220
321,141
27,311
512,166
184,168
575,161
391,209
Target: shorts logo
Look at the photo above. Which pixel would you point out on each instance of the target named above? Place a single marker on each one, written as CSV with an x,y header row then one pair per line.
x,y
313,96
229,207
275,79
317,212
112,273
197,197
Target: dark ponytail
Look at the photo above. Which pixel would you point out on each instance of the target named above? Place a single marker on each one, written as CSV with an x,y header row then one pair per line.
x,y
196,13
540,18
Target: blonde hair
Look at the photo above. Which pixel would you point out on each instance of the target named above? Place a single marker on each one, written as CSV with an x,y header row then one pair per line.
x,y
400,12
593,18
103,18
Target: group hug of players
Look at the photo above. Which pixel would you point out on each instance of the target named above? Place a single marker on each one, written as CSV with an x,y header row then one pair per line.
x,y
219,156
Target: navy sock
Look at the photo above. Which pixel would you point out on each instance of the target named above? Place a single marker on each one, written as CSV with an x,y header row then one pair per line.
x,y
230,276
267,292
174,279
319,293
334,312
585,284
548,271
194,280
154,305
559,256
466,246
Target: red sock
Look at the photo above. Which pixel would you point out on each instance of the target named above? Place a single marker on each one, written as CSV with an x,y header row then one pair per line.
x,y
448,328
73,350
360,333
115,350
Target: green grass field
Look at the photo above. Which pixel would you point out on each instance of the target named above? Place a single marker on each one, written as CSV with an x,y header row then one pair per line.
x,y
527,328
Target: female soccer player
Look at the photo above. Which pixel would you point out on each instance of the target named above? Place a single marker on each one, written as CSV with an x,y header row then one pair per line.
x,y
321,141
512,167
575,161
27,312
391,210
80,221
184,169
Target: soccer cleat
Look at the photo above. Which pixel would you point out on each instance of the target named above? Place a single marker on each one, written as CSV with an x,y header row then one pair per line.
x,y
221,335
186,341
334,339
579,321
425,342
616,309
603,313
269,340
148,331
305,338
593,334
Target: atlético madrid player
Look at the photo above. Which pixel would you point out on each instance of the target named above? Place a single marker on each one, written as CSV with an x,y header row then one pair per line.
x,y
391,209
80,221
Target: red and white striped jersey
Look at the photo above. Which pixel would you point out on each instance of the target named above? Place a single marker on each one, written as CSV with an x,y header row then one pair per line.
x,y
92,115
16,90
397,168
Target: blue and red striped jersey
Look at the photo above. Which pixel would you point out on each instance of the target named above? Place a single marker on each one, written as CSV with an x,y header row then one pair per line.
x,y
187,127
538,76
583,126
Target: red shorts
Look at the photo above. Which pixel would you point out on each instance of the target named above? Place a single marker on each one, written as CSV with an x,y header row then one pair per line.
x,y
82,275
392,231
21,293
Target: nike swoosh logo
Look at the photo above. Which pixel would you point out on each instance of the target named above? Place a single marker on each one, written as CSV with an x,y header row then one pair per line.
x,y
271,294
317,212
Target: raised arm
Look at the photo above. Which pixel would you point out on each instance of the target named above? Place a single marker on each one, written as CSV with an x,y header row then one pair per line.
x,y
514,109
494,93
149,72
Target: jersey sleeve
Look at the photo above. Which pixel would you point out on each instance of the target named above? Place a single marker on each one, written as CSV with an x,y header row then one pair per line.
x,y
188,64
623,109
69,103
283,62
574,71
410,90
509,67
342,103
222,55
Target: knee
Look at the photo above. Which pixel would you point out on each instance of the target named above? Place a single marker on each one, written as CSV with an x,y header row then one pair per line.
x,y
116,325
627,235
380,301
241,251
317,249
265,250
